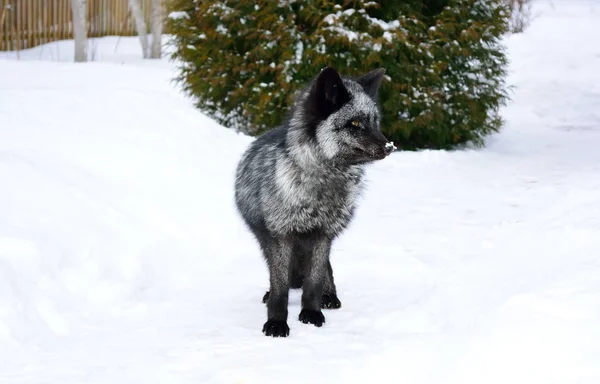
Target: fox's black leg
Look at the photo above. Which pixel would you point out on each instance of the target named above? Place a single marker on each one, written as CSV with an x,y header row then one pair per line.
x,y
296,269
315,278
278,258
329,299
299,255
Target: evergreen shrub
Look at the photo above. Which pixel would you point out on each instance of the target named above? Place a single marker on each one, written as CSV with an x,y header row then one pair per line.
x,y
445,63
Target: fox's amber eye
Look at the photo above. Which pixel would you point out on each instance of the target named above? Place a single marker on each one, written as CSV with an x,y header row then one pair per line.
x,y
356,123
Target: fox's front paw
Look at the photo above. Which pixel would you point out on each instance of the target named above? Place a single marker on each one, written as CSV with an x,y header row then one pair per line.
x,y
330,301
276,328
308,316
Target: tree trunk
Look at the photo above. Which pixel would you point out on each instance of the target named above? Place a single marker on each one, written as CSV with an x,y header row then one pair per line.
x,y
156,25
140,25
79,7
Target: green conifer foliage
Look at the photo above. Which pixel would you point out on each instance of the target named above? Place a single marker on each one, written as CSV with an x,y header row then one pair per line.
x,y
445,66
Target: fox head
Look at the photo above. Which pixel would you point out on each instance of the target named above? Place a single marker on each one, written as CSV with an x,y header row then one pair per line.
x,y
342,118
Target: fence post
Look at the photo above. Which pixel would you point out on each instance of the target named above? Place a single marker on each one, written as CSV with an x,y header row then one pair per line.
x,y
2,16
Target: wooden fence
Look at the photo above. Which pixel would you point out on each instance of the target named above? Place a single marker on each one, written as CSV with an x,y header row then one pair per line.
x,y
28,23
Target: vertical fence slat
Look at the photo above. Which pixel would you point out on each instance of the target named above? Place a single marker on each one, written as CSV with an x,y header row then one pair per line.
x,y
103,16
30,24
26,23
107,16
10,26
13,26
35,13
122,21
19,15
23,30
92,17
10,13
2,32
116,18
68,17
128,24
34,30
66,13
54,29
61,22
59,25
147,14
39,21
113,18
38,14
26,9
89,4
46,24
7,18
119,16
22,25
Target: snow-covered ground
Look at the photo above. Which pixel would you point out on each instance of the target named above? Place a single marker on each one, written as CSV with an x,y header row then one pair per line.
x,y
122,259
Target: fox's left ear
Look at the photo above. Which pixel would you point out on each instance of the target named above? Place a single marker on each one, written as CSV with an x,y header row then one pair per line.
x,y
370,82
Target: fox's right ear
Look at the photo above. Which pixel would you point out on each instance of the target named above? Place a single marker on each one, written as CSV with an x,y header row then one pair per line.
x,y
370,82
329,92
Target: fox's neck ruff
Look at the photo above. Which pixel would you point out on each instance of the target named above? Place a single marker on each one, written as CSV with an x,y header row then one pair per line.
x,y
301,143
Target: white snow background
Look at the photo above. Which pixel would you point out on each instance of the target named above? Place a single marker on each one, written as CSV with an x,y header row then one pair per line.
x,y
123,260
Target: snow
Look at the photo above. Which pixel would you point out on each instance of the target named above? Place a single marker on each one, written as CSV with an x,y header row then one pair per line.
x,y
334,20
122,259
178,15
222,29
388,36
299,51
384,25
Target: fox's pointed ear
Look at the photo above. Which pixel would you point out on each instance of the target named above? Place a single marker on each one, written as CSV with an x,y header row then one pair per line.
x,y
370,82
329,92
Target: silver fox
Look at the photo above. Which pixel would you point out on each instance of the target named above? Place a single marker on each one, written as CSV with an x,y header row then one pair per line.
x,y
296,188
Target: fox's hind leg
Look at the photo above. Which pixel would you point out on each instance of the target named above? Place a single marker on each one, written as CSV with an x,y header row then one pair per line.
x,y
329,300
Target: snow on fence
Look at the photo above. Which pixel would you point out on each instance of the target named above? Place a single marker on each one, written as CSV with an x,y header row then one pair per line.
x,y
28,23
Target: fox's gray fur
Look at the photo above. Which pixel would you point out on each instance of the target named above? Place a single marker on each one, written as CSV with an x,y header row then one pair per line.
x,y
296,188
